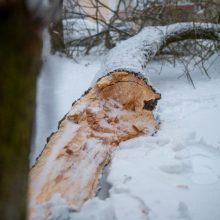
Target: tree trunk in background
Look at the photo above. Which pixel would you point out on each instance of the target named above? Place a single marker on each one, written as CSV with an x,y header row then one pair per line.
x,y
20,50
56,29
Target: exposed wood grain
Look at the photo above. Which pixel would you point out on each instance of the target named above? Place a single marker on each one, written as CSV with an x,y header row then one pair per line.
x,y
71,163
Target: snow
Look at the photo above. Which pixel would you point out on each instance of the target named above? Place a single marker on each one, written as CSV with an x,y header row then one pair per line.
x,y
172,175
69,129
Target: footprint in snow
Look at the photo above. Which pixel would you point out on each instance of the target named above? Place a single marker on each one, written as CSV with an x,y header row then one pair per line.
x,y
179,168
183,212
205,165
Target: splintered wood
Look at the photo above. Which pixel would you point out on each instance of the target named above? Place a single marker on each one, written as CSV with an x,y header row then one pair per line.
x,y
119,107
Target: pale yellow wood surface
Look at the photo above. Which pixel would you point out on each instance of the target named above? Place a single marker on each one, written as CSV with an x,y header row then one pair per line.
x,y
72,161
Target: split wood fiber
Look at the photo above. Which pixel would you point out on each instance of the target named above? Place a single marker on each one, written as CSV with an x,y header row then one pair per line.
x,y
119,107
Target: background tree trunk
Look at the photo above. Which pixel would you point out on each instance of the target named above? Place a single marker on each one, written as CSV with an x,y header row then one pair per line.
x,y
20,50
56,29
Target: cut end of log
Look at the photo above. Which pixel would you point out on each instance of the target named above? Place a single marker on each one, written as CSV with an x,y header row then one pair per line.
x,y
128,89
119,107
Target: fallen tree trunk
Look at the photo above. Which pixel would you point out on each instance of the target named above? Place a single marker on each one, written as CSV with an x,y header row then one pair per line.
x,y
136,52
117,108
75,155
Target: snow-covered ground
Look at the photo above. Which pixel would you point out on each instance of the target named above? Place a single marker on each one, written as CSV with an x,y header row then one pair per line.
x,y
173,175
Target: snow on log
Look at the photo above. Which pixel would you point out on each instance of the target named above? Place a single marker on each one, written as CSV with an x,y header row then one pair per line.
x,y
118,107
134,53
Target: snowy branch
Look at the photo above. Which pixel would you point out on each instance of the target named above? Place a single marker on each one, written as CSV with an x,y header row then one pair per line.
x,y
134,53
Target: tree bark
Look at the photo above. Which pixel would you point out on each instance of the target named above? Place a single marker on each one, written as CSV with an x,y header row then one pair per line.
x,y
56,29
20,49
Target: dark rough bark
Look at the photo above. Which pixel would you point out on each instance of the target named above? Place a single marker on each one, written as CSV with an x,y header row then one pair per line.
x,y
20,48
56,28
